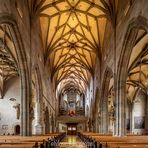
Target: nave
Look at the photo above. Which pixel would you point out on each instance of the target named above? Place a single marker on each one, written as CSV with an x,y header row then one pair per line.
x,y
81,140
71,141
73,66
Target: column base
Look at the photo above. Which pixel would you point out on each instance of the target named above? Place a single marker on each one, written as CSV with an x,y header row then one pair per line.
x,y
38,129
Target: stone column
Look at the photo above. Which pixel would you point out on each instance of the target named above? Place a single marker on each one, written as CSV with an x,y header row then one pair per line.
x,y
146,113
24,109
81,101
53,124
104,116
120,111
38,121
89,125
111,119
131,118
31,118
61,101
96,125
50,124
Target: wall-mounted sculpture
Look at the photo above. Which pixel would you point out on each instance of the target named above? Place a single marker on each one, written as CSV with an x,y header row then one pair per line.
x,y
17,107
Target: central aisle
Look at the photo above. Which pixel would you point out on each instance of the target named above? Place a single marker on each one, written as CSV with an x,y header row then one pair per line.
x,y
71,142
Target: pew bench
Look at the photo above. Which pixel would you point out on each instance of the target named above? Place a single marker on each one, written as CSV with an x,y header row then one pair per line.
x,y
114,142
127,145
26,142
17,145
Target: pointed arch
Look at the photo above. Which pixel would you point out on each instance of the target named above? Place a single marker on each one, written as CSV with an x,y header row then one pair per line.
x,y
108,74
122,72
23,70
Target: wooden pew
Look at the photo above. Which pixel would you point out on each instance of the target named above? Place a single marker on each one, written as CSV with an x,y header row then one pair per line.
x,y
17,145
24,142
125,142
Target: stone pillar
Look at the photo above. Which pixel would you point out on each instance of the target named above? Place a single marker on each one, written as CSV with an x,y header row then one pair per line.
x,y
65,106
53,124
61,101
81,101
111,119
120,111
104,116
97,125
31,118
86,126
131,117
99,122
89,125
38,121
24,109
146,113
50,124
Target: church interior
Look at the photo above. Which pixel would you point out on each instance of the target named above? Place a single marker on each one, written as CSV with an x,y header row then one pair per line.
x,y
73,73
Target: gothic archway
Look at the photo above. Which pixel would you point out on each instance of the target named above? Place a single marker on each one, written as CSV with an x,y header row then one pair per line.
x,y
17,130
23,70
95,113
104,99
122,73
36,101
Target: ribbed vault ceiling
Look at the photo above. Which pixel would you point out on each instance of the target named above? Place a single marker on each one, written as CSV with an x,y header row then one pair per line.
x,y
138,65
8,58
73,33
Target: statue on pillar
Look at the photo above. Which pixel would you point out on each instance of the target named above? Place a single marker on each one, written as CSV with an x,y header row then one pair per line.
x,y
17,107
31,110
112,112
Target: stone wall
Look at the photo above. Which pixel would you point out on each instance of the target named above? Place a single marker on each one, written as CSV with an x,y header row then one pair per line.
x,y
62,127
138,113
31,43
8,110
127,13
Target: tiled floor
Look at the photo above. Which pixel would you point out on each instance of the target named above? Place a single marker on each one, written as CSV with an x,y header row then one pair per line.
x,y
71,142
